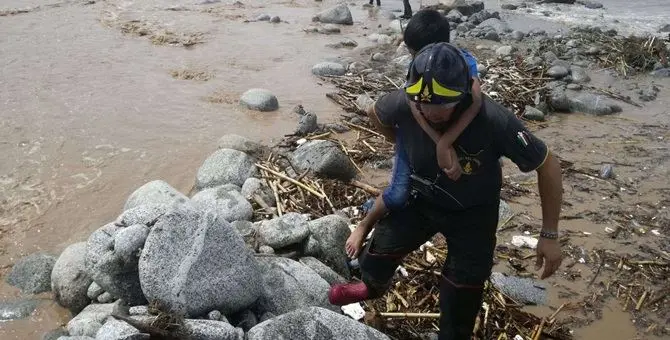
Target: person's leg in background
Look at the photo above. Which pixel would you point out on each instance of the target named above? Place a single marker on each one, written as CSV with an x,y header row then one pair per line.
x,y
395,236
408,9
471,240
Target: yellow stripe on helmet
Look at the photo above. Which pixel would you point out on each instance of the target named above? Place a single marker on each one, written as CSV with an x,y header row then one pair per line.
x,y
443,91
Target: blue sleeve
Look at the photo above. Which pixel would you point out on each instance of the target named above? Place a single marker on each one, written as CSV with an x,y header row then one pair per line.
x,y
472,63
396,194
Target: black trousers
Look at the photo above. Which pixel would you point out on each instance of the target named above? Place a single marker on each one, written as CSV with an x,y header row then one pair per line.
x,y
471,240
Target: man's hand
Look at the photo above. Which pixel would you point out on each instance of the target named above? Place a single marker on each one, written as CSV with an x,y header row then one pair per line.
x,y
549,254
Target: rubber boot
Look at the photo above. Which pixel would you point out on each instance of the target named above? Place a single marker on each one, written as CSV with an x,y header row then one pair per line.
x,y
459,306
408,10
379,3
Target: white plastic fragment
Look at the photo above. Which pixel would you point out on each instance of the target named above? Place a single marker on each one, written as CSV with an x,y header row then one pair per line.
x,y
524,241
354,310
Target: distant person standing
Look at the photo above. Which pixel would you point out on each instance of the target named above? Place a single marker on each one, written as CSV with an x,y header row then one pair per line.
x,y
408,9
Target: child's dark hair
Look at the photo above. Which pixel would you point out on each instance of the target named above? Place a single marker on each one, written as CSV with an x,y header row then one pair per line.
x,y
427,26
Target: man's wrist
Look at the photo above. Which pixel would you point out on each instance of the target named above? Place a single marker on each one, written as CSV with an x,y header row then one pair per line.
x,y
549,234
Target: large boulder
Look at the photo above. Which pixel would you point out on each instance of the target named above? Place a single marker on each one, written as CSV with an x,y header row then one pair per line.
x,y
332,232
324,271
69,279
112,254
289,285
19,309
228,204
223,167
114,329
291,228
592,104
325,158
312,323
467,7
32,274
339,14
153,193
196,262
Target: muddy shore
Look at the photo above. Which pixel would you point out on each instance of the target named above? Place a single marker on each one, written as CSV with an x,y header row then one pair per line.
x,y
94,107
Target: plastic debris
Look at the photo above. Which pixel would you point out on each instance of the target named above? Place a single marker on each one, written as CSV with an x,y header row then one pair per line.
x,y
524,241
354,310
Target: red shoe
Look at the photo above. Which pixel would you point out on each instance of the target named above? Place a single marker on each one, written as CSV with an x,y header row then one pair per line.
x,y
344,294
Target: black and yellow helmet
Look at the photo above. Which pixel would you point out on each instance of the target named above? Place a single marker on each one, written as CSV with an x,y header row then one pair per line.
x,y
438,75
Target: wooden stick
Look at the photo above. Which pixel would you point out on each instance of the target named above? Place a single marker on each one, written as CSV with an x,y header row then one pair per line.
x,y
312,191
356,126
539,330
274,190
318,136
411,315
366,187
369,146
639,303
553,316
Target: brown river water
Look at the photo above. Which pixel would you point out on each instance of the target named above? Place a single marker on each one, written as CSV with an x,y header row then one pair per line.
x,y
88,113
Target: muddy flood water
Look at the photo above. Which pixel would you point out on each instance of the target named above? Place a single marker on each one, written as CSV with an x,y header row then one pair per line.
x,y
90,111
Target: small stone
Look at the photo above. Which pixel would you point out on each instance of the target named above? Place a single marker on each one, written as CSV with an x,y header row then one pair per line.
x,y
518,35
579,75
592,51
263,17
260,100
493,36
105,297
557,72
574,87
549,56
648,93
14,310
509,7
607,171
328,69
592,4
572,43
505,51
214,315
339,14
264,249
330,29
139,310
275,19
454,16
379,57
532,113
664,29
660,73
482,70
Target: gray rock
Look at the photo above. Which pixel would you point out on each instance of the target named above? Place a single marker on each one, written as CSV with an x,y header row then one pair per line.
x,y
225,166
345,43
263,17
481,16
664,29
505,51
339,14
648,93
114,329
325,158
579,75
69,279
557,72
239,143
549,57
55,334
18,309
291,228
493,36
574,87
523,290
591,104
572,43
90,320
214,315
313,323
533,61
403,61
307,124
364,102
455,16
329,29
532,113
482,70
153,193
32,274
562,63
498,25
337,127
245,229
228,204
462,28
259,100
518,35
76,338
396,26
382,39
328,68
139,310
211,258
504,213
379,57
468,7
289,285
254,186
607,171
324,271
332,232
661,73
212,330
558,100
143,214
592,4
593,50
266,250
509,7
111,260
94,290
106,297
312,247
275,19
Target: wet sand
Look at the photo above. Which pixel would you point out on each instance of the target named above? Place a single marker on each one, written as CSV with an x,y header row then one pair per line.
x,y
88,114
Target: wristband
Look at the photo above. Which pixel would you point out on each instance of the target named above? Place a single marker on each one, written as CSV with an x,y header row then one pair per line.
x,y
552,235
